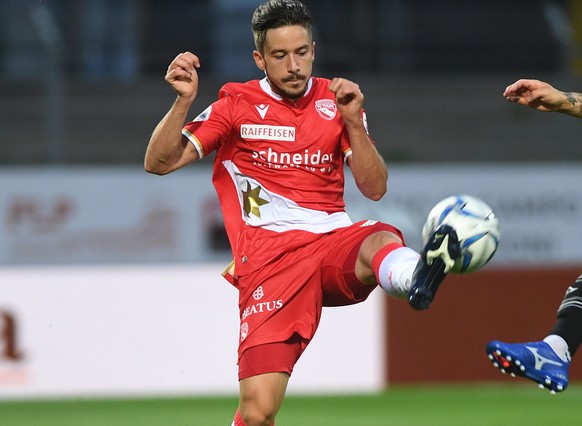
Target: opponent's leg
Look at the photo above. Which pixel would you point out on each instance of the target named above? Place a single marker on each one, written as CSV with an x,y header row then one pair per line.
x,y
546,362
536,361
568,324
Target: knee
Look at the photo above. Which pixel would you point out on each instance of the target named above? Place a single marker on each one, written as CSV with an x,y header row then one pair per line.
x,y
374,243
377,240
255,416
261,397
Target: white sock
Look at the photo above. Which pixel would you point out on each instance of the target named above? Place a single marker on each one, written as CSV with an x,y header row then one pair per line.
x,y
395,271
559,346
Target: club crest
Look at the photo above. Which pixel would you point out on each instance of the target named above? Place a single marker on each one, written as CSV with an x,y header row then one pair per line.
x,y
326,108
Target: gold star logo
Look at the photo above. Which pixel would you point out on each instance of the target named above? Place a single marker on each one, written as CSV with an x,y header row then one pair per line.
x,y
252,201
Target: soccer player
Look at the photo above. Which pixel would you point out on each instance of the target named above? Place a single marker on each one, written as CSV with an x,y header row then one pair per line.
x,y
545,362
280,145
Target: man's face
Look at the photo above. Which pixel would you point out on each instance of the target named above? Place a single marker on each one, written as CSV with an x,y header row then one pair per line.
x,y
287,60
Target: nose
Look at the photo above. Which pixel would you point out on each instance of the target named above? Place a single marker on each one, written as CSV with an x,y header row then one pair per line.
x,y
292,64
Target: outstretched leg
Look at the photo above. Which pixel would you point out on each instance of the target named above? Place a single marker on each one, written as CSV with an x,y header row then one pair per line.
x,y
401,272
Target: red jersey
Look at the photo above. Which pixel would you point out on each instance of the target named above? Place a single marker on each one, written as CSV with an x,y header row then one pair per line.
x,y
278,165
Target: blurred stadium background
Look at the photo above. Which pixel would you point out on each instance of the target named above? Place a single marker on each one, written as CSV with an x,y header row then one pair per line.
x,y
109,278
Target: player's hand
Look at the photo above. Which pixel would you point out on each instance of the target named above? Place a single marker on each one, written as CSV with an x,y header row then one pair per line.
x,y
182,74
535,94
348,98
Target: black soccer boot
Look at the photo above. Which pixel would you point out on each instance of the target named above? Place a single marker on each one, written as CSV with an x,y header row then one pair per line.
x,y
436,260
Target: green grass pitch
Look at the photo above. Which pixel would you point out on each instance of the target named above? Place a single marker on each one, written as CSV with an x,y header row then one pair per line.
x,y
474,405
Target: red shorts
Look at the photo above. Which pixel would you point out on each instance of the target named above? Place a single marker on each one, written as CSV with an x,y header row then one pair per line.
x,y
285,297
278,357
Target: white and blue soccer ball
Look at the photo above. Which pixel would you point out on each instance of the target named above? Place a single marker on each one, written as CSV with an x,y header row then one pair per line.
x,y
476,225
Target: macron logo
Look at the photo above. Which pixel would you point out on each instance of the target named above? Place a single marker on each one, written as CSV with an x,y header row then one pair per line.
x,y
262,110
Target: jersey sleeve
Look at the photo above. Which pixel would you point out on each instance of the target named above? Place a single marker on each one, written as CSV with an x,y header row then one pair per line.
x,y
211,126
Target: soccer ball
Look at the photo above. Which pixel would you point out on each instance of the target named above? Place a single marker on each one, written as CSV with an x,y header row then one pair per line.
x,y
475,224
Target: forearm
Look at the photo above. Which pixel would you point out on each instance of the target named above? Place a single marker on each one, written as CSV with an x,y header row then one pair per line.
x,y
572,104
368,167
167,150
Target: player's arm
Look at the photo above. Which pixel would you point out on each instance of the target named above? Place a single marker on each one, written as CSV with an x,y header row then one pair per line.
x,y
368,167
544,97
168,149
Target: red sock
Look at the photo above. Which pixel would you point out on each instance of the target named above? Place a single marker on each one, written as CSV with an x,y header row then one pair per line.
x,y
381,255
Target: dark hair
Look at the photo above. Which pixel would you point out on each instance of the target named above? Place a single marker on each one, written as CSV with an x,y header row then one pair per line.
x,y
278,13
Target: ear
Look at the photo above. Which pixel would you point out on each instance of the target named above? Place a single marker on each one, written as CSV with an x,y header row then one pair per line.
x,y
312,51
259,60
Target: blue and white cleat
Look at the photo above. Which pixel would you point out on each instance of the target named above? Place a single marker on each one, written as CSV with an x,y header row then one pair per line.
x,y
436,260
536,361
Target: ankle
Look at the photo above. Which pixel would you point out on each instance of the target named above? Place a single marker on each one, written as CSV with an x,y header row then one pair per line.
x,y
559,346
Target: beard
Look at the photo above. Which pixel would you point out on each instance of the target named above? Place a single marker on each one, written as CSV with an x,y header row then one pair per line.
x,y
292,91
